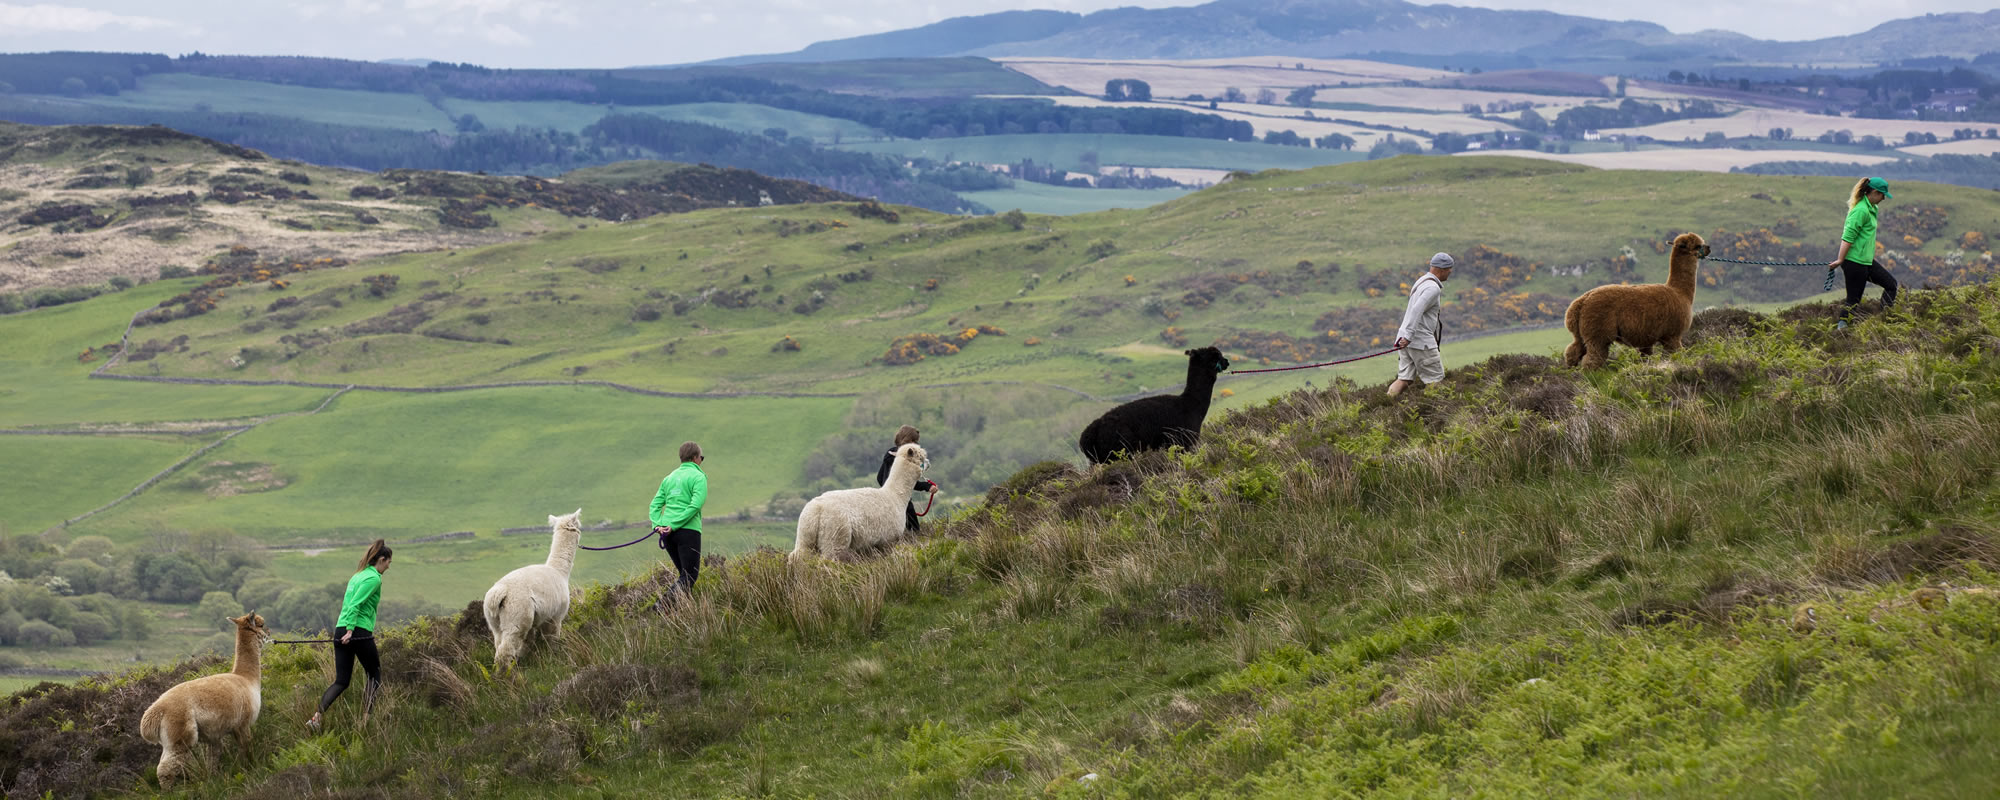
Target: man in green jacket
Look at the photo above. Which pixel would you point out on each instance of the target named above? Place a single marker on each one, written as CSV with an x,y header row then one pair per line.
x,y
676,514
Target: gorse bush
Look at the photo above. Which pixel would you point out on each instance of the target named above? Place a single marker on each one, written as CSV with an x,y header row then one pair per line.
x,y
1765,565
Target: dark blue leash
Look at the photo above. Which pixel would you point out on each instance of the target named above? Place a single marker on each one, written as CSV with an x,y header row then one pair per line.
x,y
661,532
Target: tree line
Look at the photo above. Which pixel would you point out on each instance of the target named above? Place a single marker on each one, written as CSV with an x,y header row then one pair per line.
x,y
89,590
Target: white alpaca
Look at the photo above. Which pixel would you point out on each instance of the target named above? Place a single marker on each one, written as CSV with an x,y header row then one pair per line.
x,y
841,522
534,597
210,707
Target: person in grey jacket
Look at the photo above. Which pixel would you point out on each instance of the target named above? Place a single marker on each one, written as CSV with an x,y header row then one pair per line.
x,y
1422,329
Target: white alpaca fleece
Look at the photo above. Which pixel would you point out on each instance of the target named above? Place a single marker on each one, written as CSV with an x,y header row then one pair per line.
x,y
535,597
842,522
212,707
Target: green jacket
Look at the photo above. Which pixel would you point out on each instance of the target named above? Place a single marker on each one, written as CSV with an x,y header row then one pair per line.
x,y
364,592
677,504
1860,232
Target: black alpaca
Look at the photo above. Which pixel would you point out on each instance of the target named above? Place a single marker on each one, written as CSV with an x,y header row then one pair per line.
x,y
1161,421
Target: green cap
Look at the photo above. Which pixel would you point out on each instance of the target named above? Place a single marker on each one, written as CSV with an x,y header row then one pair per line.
x,y
1879,185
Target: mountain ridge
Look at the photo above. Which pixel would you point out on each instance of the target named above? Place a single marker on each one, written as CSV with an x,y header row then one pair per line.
x,y
1353,28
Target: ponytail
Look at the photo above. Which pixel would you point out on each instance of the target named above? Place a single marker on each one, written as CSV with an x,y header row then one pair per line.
x,y
376,552
1860,189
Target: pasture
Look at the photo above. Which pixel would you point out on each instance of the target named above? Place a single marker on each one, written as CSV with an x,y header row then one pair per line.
x,y
1687,158
1209,77
1962,147
1042,198
1066,151
1760,121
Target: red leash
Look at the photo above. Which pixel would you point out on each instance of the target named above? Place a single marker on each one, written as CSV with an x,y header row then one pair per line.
x,y
1312,366
927,503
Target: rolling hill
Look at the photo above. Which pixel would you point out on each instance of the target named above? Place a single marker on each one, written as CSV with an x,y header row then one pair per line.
x,y
465,393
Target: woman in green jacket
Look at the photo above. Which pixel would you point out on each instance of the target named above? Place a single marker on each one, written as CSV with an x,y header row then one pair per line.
x,y
676,514
1857,248
354,632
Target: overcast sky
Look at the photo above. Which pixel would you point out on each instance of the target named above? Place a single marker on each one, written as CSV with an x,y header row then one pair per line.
x,y
610,33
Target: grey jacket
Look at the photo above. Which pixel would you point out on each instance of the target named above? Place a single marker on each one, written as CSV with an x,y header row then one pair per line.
x,y
1423,321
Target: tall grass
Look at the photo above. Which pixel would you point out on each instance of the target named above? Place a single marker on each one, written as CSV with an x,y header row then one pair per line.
x,y
1523,579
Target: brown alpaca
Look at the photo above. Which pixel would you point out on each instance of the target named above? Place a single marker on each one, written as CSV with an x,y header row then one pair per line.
x,y
208,708
1636,316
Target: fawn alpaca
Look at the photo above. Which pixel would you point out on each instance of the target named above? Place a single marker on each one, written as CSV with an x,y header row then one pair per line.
x,y
210,707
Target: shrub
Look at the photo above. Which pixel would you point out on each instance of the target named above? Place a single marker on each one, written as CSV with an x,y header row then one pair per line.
x,y
36,633
171,271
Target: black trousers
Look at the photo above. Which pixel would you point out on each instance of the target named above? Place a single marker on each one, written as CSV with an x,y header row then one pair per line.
x,y
683,547
1858,277
344,656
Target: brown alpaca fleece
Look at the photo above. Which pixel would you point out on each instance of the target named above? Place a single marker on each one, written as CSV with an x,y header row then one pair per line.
x,y
1636,316
210,707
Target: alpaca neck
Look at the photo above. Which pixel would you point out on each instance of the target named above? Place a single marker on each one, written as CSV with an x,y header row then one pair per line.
x,y
562,551
1680,276
247,655
902,477
1200,386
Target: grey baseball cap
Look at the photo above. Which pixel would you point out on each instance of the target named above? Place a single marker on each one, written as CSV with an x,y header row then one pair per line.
x,y
1442,261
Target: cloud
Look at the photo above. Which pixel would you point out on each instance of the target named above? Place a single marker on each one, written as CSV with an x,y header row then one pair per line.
x,y
45,18
500,34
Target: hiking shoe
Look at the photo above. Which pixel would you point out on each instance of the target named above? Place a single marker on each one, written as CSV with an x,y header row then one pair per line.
x,y
312,725
1840,326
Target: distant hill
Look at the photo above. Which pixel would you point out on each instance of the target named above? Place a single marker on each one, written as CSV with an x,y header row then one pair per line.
x,y
88,204
1389,29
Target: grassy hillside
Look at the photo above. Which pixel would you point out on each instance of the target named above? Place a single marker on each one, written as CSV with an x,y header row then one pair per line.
x,y
726,290
1093,307
1765,566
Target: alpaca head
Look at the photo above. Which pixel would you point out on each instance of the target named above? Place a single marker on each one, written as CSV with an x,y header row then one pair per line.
x,y
567,522
1210,360
254,623
1690,244
914,454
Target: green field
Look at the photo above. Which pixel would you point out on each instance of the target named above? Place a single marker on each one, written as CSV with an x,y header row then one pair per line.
x,y
893,77
1066,150
1041,198
746,117
182,92
397,465
74,474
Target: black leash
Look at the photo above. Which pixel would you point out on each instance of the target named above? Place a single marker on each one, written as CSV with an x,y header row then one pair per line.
x,y
1830,271
661,532
320,641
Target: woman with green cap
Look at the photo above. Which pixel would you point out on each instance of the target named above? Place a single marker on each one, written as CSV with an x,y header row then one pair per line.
x,y
1857,248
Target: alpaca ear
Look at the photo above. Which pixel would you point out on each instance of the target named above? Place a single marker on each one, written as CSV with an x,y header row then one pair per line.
x,y
1187,352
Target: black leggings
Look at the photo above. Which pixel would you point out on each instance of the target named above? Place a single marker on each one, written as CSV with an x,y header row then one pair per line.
x,y
343,666
684,549
1858,278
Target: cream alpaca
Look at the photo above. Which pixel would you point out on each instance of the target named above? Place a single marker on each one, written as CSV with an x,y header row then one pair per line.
x,y
1636,316
534,597
839,523
210,707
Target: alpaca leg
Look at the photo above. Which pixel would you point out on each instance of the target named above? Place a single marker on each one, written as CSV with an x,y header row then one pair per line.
x,y
1671,344
1573,354
1646,351
177,737
1595,354
833,544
